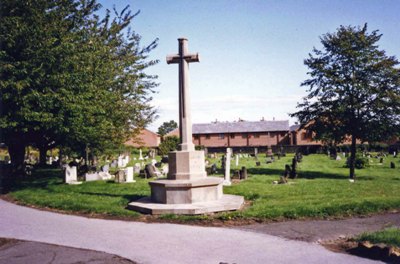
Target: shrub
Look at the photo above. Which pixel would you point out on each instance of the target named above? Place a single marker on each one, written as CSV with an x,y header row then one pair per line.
x,y
169,144
360,162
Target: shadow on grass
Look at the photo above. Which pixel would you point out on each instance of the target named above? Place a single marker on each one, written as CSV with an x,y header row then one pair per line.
x,y
130,198
301,174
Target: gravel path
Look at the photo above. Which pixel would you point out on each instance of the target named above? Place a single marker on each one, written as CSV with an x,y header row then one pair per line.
x,y
160,243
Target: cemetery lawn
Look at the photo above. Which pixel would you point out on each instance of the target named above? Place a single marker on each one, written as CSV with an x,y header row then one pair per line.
x,y
322,190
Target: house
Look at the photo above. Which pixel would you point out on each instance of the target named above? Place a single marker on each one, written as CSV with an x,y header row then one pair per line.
x,y
146,138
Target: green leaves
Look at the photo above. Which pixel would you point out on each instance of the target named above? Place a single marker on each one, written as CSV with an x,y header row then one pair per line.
x,y
353,89
71,77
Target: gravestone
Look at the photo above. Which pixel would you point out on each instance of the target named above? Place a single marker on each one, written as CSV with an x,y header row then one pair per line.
x,y
92,176
114,164
237,160
105,168
120,176
140,155
243,173
187,189
126,160
136,168
227,175
120,162
71,175
269,152
129,174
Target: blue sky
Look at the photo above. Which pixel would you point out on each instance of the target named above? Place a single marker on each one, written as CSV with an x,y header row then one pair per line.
x,y
251,52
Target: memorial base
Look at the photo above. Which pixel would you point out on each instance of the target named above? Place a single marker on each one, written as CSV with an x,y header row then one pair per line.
x,y
187,190
225,203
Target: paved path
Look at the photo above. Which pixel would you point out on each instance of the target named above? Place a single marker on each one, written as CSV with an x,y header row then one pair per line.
x,y
315,230
161,243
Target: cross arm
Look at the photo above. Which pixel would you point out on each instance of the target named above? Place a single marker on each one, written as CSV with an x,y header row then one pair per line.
x,y
189,58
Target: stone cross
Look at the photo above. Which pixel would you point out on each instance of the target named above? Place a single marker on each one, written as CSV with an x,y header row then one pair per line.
x,y
183,58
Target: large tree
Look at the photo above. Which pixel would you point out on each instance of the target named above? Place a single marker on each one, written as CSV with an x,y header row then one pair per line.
x,y
70,78
354,90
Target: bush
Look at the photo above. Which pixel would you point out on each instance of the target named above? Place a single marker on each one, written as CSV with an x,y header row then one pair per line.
x,y
360,162
169,144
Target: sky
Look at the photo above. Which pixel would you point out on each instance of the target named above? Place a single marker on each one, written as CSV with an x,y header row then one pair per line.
x,y
251,52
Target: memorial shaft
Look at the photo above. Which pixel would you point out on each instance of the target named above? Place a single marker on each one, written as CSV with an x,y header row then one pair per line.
x,y
185,122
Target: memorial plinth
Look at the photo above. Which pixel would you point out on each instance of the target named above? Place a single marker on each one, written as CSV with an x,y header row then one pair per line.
x,y
187,189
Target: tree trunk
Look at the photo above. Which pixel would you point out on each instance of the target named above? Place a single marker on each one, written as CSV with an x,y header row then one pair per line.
x,y
352,157
17,155
42,155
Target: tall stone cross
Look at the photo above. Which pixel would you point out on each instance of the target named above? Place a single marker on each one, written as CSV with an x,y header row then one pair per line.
x,y
185,122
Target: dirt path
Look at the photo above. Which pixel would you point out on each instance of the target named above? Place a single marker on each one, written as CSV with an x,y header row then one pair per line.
x,y
318,230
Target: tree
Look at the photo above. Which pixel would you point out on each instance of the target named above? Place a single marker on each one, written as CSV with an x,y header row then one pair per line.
x,y
70,78
169,144
354,90
167,127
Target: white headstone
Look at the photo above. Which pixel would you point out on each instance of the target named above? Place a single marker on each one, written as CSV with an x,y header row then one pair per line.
x,y
164,169
106,168
140,155
71,176
227,178
129,174
153,162
237,160
338,158
92,177
127,159
120,163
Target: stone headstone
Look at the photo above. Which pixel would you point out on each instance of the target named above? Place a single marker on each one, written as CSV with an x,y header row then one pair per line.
x,y
136,168
120,162
105,168
164,169
237,160
120,176
153,162
243,173
114,164
126,160
129,174
92,177
105,176
227,176
338,158
71,175
140,155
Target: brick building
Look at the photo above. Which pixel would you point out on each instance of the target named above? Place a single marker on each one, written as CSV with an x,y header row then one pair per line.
x,y
242,134
146,138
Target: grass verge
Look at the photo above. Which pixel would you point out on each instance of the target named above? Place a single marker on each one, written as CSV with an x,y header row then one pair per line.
x,y
322,190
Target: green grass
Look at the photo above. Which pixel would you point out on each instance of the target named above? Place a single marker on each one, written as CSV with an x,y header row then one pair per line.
x,y
322,190
389,236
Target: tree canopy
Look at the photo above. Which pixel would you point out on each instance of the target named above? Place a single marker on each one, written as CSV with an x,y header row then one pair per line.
x,y
354,89
69,77
167,127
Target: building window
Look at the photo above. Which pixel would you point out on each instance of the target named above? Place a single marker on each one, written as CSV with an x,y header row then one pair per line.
x,y
232,135
221,136
207,136
272,135
244,135
256,135
196,137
